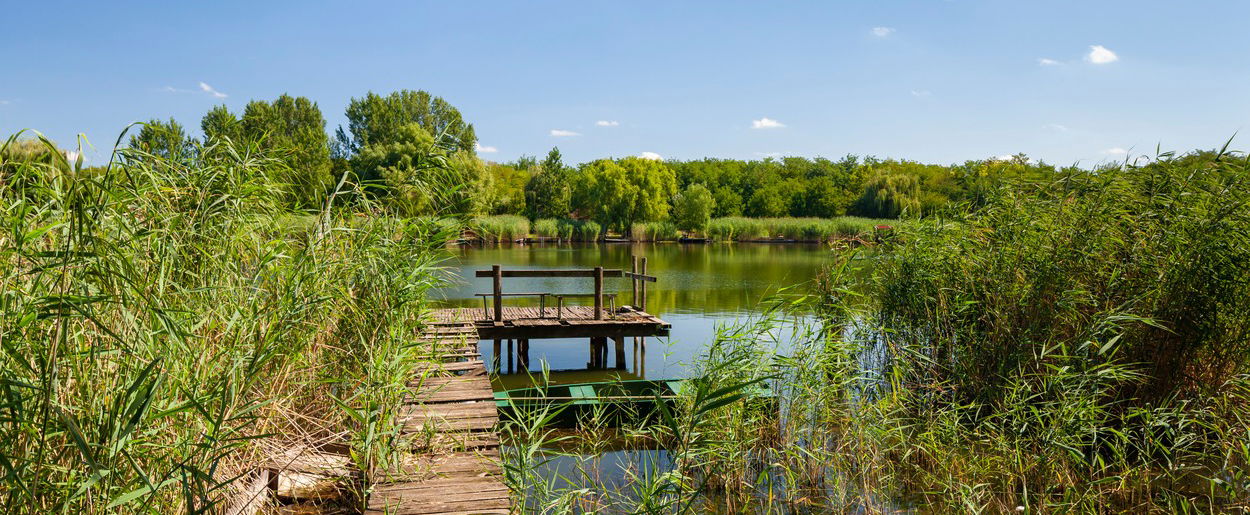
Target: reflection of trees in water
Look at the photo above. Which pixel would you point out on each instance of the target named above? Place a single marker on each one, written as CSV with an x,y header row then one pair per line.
x,y
692,278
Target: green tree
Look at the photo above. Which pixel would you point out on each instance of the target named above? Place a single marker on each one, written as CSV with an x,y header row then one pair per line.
x,y
377,119
692,208
416,174
219,123
548,193
890,195
618,194
293,129
166,140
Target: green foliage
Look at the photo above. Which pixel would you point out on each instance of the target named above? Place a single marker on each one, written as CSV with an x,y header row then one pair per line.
x,y
163,330
547,228
798,229
654,231
618,194
500,228
692,208
1142,262
417,174
166,141
548,193
505,194
377,119
890,195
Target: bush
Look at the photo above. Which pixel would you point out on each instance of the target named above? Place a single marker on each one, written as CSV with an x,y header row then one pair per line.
x,y
501,228
547,228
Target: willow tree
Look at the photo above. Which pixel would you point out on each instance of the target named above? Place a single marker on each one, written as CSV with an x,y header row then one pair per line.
x,y
618,194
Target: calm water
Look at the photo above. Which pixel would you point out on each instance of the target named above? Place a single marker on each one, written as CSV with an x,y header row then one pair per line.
x,y
698,287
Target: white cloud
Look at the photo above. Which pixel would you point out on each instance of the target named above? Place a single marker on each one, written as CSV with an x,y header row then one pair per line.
x,y
4,102
209,89
651,155
1056,127
561,133
607,123
766,123
486,150
882,31
1099,54
1115,151
1046,61
770,154
920,93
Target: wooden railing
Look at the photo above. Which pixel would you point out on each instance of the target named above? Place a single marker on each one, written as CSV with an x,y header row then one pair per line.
x,y
638,275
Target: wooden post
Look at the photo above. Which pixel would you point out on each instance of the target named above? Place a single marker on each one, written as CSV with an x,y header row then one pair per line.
x,y
511,358
633,300
498,273
642,359
494,357
523,361
620,352
635,354
643,304
598,293
590,354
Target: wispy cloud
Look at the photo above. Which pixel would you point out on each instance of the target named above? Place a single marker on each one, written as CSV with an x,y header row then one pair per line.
x,y
1099,54
561,133
486,150
770,154
4,102
651,155
766,123
920,93
882,32
209,89
607,123
1115,151
171,89
1046,61
1056,127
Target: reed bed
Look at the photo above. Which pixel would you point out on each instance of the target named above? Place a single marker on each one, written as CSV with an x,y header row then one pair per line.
x,y
500,228
794,229
166,324
1081,347
568,230
654,231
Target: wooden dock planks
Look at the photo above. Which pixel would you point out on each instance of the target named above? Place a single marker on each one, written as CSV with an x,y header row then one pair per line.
x,y
450,415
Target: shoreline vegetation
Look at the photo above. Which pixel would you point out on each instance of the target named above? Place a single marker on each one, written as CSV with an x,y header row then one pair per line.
x,y
517,229
1039,339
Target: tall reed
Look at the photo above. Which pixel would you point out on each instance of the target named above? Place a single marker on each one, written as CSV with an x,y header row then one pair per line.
x,y
166,325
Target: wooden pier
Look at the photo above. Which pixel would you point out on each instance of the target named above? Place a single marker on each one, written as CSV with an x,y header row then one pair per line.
x,y
450,413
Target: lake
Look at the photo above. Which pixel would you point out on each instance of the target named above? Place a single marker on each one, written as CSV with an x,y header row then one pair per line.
x,y
699,286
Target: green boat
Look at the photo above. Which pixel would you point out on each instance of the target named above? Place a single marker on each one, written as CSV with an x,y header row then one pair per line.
x,y
615,402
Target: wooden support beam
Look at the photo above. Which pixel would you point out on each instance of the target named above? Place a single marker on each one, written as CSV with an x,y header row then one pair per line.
x,y
598,293
633,269
497,273
620,352
643,270
607,272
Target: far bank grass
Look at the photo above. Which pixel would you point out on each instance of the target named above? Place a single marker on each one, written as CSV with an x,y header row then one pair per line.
x,y
501,228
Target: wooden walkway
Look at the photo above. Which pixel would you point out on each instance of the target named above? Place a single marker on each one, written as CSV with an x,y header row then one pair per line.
x,y
450,416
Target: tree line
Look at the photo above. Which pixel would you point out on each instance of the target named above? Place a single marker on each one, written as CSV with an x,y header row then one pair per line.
x,y
415,153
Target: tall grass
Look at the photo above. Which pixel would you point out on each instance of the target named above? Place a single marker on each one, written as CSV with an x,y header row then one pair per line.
x,y
795,229
568,230
500,228
166,325
654,231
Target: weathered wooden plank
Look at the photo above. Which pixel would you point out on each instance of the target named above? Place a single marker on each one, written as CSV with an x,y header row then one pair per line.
x,y
607,272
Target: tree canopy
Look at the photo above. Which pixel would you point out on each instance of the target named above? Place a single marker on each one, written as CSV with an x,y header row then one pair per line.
x,y
378,119
617,194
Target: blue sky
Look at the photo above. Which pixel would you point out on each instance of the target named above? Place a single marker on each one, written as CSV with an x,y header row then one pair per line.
x,y
934,81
